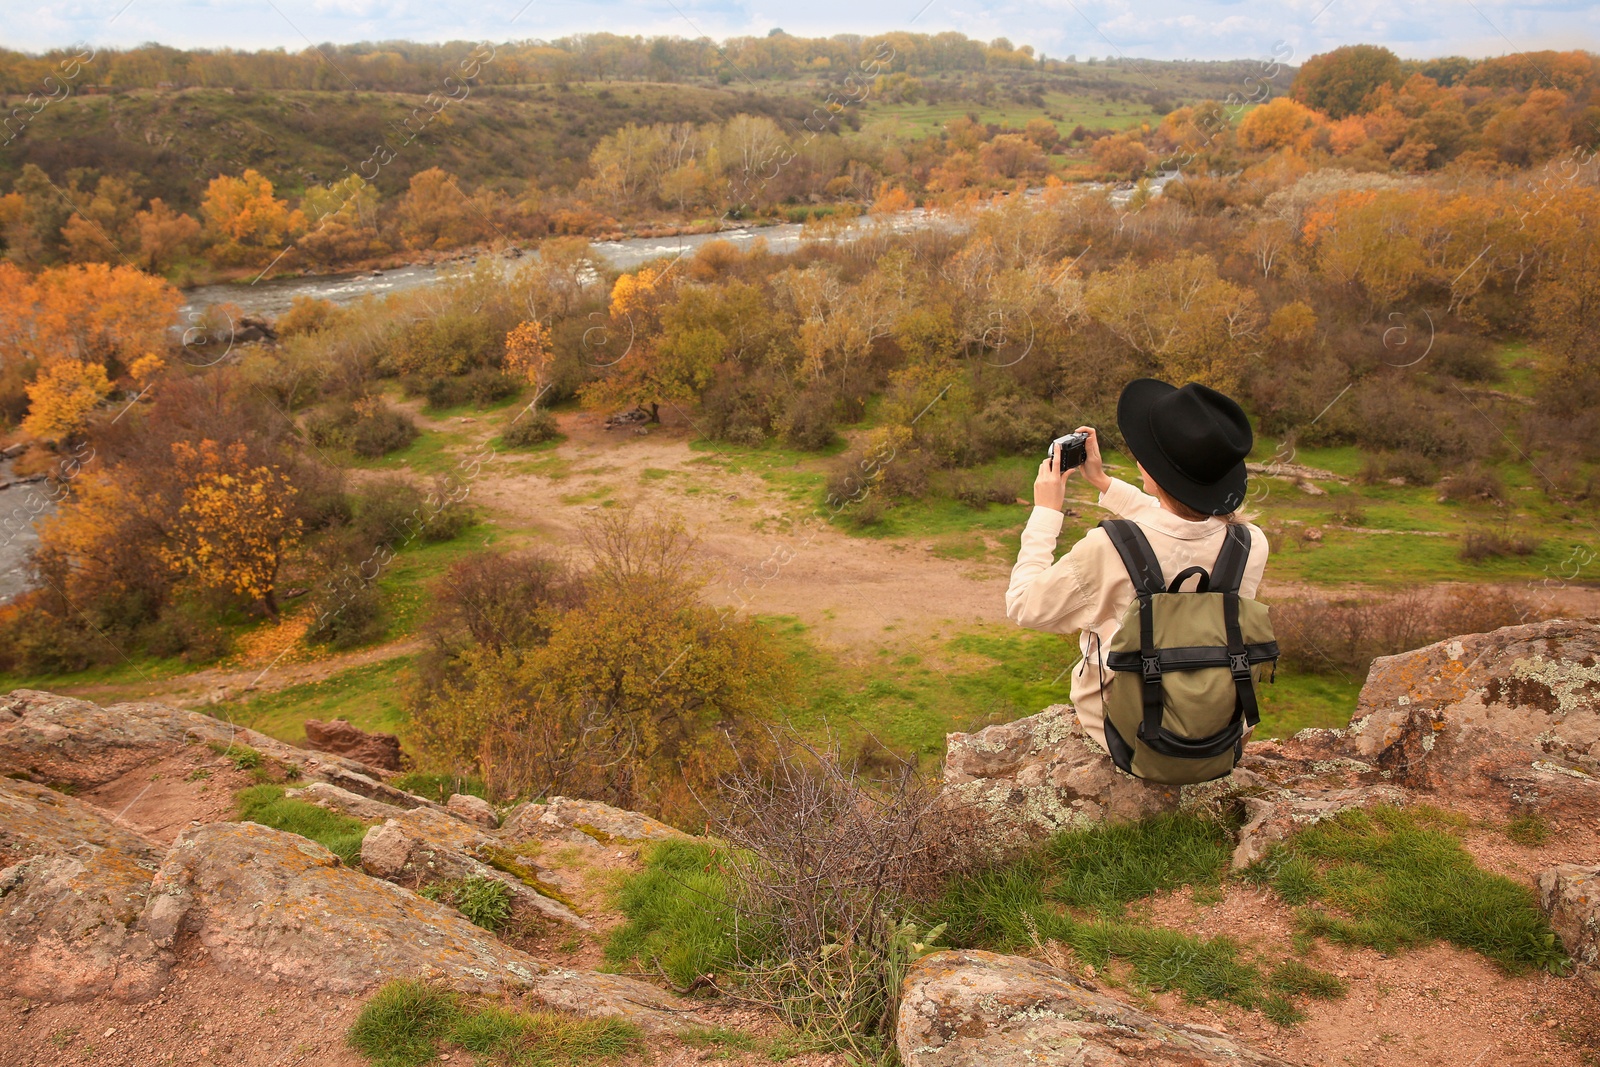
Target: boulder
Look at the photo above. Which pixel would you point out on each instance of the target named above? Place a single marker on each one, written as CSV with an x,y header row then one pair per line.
x,y
275,905
394,852
1037,776
584,822
1513,714
342,739
51,738
981,1009
1273,816
1570,894
333,798
70,900
473,809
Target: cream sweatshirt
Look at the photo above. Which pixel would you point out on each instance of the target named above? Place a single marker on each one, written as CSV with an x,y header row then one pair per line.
x,y
1088,589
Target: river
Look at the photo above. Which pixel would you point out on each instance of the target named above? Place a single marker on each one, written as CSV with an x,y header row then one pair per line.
x,y
271,298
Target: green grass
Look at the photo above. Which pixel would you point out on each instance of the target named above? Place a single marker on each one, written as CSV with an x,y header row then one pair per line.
x,y
1390,878
1299,699
909,695
266,804
483,901
679,919
368,696
1529,828
406,1022
1075,888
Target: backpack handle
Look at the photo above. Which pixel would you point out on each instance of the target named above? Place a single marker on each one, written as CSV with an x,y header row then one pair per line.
x,y
1202,586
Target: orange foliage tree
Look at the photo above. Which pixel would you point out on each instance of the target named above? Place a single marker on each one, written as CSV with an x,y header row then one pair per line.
x,y
234,525
61,397
244,221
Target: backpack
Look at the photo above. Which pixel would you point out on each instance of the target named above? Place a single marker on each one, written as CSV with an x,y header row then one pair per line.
x,y
1184,664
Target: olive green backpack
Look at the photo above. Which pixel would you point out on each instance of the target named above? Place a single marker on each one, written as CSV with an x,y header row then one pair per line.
x,y
1184,664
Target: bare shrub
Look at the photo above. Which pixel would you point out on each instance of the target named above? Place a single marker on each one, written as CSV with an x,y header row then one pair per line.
x,y
831,863
1479,545
1475,483
1329,636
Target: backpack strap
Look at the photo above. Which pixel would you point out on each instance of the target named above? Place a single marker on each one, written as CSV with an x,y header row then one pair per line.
x,y
1137,555
1145,572
1239,662
1228,571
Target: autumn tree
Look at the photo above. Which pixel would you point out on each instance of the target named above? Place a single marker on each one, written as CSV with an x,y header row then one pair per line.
x,y
164,235
1337,83
1281,123
1187,323
341,221
235,522
106,229
528,353
1121,156
61,397
244,222
435,213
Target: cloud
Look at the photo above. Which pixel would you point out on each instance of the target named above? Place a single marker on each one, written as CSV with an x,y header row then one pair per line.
x,y
1162,29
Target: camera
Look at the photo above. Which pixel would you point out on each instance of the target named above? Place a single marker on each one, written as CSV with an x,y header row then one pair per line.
x,y
1068,452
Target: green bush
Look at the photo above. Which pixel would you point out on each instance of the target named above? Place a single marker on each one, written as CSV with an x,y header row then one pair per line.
x,y
266,804
530,429
439,787
367,427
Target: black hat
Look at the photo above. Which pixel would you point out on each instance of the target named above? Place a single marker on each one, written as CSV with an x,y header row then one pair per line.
x,y
1193,441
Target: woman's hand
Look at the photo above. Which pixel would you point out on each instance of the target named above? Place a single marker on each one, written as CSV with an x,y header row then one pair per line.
x,y
1050,487
1093,472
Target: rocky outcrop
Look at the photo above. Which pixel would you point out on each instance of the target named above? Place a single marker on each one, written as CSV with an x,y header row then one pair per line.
x,y
58,739
982,1009
1570,895
1513,714
1036,776
473,809
411,851
1274,814
584,822
70,898
273,904
343,739
333,798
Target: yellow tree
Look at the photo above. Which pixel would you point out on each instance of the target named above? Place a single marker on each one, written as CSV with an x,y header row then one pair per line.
x,y
61,397
244,221
234,525
164,235
528,353
1188,323
1282,123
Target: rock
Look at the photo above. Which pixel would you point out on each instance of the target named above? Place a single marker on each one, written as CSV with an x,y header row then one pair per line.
x,y
584,822
1570,895
342,739
1036,776
473,809
70,900
1514,714
266,903
394,853
1273,817
325,795
53,738
983,1009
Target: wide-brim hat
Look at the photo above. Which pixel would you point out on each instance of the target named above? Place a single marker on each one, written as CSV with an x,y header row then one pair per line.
x,y
1192,440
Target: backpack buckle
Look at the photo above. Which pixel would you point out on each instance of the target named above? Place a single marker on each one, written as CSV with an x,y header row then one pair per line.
x,y
1150,667
1239,664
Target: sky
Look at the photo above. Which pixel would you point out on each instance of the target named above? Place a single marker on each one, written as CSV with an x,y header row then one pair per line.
x,y
1289,30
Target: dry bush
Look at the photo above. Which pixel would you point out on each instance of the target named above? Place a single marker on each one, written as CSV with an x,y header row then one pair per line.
x,y
830,864
1326,636
617,684
1479,545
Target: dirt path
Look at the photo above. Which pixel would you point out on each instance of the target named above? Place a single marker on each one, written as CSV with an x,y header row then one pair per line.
x,y
770,551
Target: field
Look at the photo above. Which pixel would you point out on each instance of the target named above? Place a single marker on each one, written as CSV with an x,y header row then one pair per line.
x,y
895,631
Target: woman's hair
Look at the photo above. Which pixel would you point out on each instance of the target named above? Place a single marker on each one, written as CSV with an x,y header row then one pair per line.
x,y
1184,511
